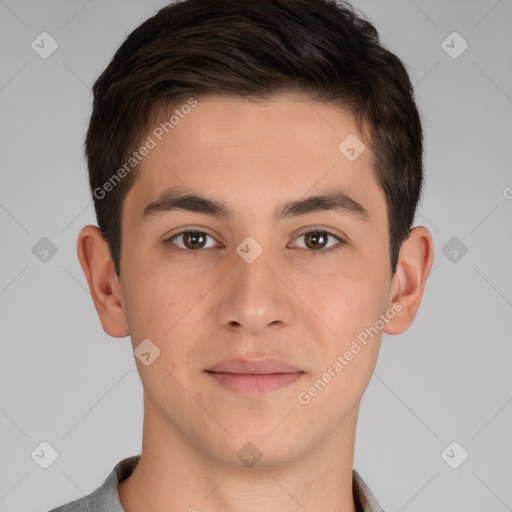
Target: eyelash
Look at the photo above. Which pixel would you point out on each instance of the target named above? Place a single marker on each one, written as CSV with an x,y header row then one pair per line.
x,y
313,252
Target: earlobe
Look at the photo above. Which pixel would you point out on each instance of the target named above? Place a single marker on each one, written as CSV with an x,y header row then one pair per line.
x,y
95,259
414,264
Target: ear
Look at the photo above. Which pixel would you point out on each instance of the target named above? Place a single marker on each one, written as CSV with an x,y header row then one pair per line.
x,y
95,259
414,263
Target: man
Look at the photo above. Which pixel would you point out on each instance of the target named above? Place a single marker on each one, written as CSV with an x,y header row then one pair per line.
x,y
255,168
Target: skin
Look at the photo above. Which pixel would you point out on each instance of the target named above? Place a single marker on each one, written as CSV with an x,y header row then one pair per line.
x,y
211,305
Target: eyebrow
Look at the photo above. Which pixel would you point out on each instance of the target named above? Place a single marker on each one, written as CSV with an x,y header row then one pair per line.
x,y
177,198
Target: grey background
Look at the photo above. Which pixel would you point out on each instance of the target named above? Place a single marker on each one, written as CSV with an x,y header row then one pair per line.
x,y
448,378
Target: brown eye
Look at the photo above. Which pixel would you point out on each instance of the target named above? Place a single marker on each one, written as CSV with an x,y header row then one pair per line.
x,y
319,241
194,240
316,239
190,240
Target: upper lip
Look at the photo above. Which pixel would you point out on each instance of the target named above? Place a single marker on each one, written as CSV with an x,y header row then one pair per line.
x,y
253,366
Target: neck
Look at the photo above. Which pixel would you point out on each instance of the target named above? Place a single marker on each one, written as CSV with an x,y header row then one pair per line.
x,y
173,474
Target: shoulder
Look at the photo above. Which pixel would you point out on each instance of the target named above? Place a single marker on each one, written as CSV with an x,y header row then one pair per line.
x,y
105,498
86,504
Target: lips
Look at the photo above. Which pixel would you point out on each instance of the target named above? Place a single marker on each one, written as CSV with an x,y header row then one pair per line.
x,y
254,377
253,367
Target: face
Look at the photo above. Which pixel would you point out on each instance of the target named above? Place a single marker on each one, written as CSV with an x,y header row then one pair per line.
x,y
242,273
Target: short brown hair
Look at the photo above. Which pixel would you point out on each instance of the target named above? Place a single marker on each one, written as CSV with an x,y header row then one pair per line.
x,y
256,49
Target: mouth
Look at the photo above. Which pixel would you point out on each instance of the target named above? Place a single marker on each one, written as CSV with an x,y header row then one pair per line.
x,y
254,377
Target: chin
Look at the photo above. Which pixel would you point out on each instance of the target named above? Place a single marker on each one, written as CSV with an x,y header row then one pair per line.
x,y
257,449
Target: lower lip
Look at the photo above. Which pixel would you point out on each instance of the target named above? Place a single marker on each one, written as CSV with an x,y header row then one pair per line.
x,y
255,384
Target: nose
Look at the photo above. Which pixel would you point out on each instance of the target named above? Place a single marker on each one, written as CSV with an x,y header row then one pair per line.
x,y
255,297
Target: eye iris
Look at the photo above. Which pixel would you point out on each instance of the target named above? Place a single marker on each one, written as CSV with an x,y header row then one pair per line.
x,y
194,239
317,237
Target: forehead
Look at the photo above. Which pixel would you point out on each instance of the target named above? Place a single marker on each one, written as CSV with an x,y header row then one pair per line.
x,y
286,127
250,153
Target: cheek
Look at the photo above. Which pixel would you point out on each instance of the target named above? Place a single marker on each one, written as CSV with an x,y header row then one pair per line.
x,y
162,304
347,302
150,304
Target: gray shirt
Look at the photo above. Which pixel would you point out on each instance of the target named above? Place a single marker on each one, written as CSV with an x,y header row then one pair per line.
x,y
106,499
